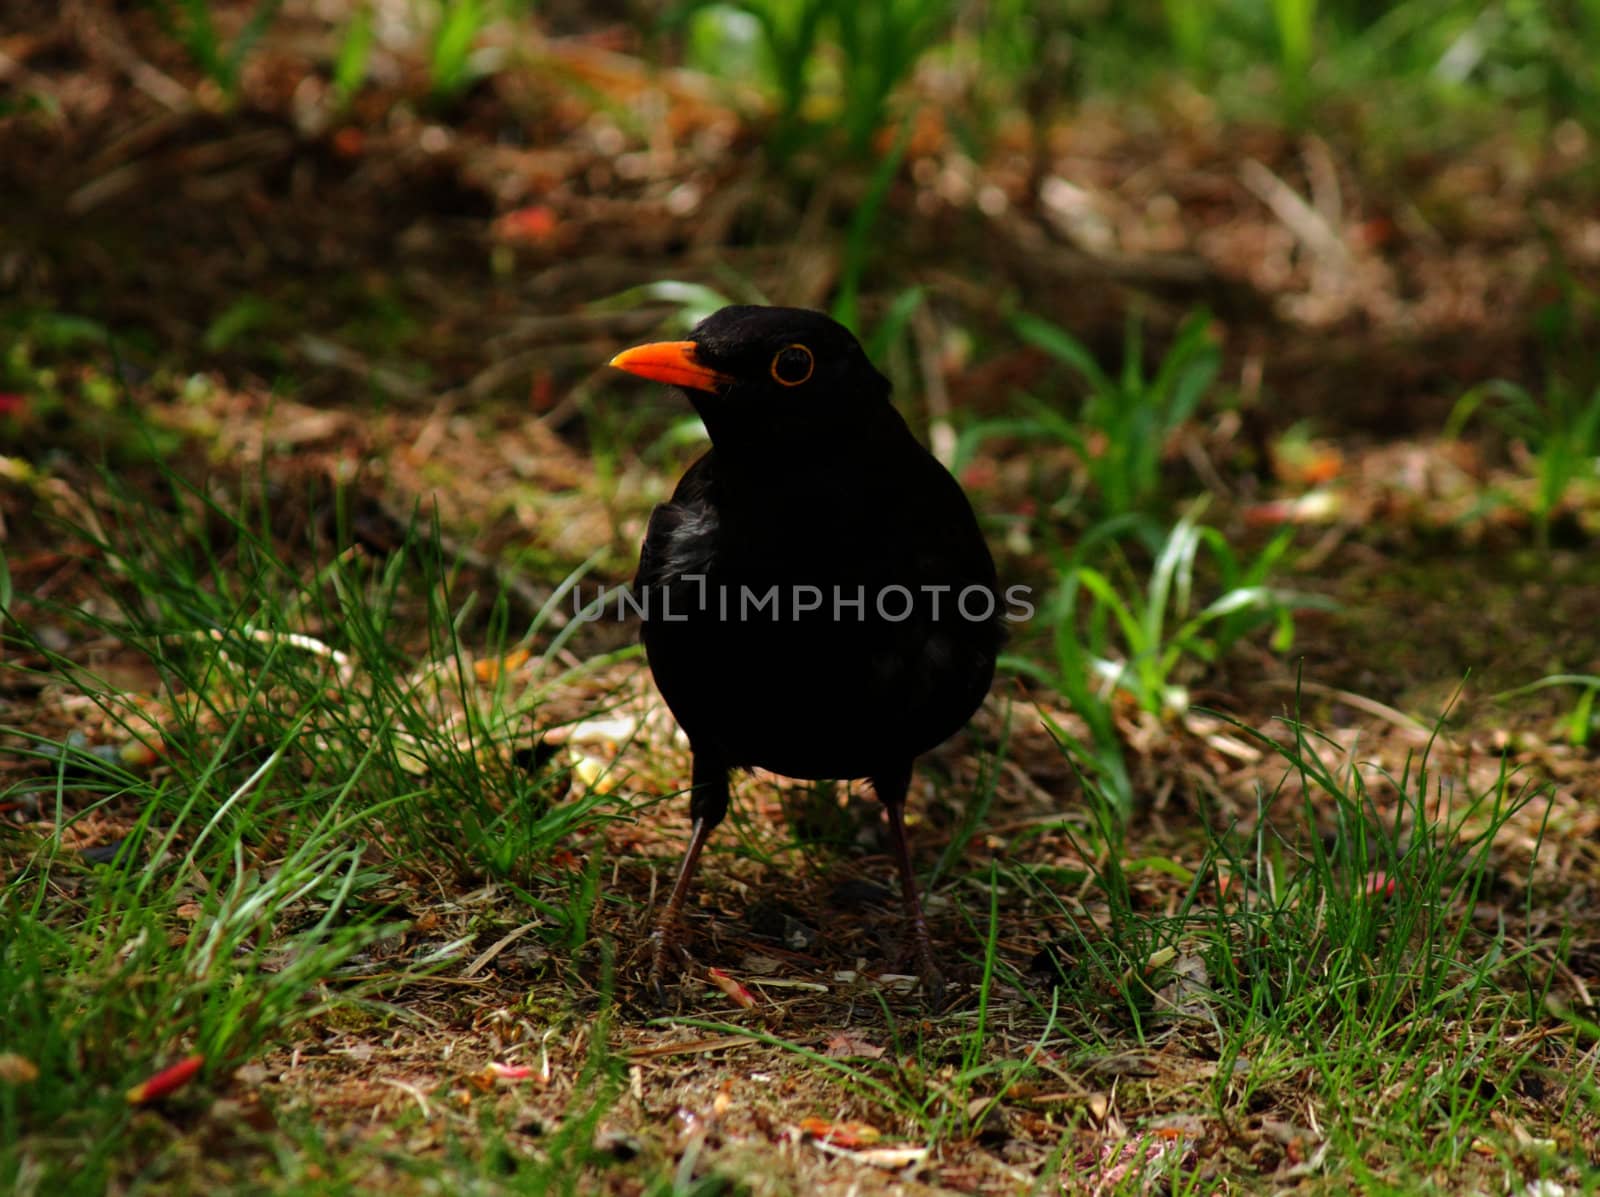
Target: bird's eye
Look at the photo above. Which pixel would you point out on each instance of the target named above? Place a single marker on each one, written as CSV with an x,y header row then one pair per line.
x,y
792,365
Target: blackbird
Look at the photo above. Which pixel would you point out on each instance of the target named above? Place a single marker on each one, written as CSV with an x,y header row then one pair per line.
x,y
817,597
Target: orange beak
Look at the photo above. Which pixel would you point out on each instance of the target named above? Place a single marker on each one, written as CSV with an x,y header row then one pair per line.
x,y
671,362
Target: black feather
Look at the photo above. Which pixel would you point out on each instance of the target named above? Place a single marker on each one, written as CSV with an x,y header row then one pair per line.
x,y
813,488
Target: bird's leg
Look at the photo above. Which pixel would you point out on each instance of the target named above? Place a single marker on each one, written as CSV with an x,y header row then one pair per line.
x,y
708,803
891,790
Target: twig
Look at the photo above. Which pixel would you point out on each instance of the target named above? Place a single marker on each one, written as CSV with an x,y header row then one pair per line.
x,y
100,33
1299,217
496,948
1362,703
408,1087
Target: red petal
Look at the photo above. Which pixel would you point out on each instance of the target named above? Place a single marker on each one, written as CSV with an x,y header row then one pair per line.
x,y
166,1081
742,997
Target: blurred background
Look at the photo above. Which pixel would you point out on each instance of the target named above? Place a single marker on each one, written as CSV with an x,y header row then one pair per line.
x,y
416,198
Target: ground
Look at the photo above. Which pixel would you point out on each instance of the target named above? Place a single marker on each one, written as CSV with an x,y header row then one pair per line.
x,y
314,775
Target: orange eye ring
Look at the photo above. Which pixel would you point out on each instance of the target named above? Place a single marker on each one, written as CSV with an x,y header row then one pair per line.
x,y
787,364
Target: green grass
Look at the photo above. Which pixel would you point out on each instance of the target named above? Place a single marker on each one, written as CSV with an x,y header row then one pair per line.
x,y
194,24
1579,723
1556,431
1144,634
1141,635
833,67
1336,957
1119,430
839,74
315,746
1295,63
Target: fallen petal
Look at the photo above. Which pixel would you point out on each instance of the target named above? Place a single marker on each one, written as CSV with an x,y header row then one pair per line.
x,y
849,1135
168,1080
741,996
512,1072
1380,885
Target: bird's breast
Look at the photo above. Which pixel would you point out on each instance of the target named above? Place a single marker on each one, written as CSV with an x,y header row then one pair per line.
x,y
813,625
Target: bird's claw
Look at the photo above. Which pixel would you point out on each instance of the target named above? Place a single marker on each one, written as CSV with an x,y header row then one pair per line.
x,y
658,960
933,987
658,992
661,945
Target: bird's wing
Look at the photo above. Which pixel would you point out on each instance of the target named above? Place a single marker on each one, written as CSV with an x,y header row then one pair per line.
x,y
681,538
944,658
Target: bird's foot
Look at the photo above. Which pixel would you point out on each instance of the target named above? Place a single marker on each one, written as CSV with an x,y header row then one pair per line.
x,y
933,987
662,944
658,992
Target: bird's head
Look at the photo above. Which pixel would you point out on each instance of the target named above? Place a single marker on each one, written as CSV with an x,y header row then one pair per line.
x,y
771,372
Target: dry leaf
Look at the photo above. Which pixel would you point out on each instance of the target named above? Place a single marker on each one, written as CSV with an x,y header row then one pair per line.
x,y
845,1046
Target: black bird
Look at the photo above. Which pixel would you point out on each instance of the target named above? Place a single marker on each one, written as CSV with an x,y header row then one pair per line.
x,y
818,598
